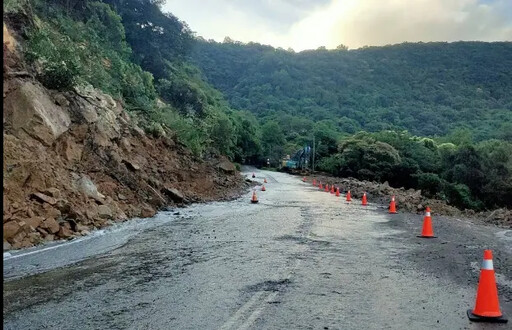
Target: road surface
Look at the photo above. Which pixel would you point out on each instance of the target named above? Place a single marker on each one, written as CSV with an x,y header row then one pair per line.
x,y
299,259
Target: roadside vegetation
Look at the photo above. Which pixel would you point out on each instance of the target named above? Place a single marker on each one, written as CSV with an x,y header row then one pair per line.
x,y
366,109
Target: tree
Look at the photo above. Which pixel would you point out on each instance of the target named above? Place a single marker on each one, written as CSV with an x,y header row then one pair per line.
x,y
273,141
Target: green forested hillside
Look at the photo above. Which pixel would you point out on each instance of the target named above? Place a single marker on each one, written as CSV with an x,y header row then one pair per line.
x,y
253,102
426,88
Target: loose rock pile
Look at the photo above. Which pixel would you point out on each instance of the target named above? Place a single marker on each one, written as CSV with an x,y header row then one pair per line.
x,y
412,200
76,161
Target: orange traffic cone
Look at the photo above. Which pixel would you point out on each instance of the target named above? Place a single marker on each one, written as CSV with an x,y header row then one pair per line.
x,y
314,182
327,188
392,206
265,180
427,231
337,191
348,197
487,306
332,189
263,188
320,186
364,202
254,198
304,179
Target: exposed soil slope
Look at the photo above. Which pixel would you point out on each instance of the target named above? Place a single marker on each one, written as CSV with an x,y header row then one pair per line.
x,y
76,160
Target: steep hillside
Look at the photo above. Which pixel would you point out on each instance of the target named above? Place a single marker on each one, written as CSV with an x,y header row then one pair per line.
x,y
426,88
87,139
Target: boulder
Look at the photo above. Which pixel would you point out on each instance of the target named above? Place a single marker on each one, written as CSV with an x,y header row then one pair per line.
x,y
34,237
71,150
174,194
227,166
83,111
65,232
11,228
147,212
53,192
107,128
34,222
44,198
50,225
85,185
31,110
104,212
131,165
16,240
91,104
61,99
7,246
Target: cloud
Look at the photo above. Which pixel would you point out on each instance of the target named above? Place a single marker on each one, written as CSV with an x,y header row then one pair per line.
x,y
304,24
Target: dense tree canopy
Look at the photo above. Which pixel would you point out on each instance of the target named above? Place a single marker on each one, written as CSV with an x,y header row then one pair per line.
x,y
426,88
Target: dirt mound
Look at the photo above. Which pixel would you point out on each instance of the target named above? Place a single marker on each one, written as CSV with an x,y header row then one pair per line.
x,y
75,161
411,200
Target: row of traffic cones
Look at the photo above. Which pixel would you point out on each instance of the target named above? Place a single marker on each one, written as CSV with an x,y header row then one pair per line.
x,y
254,198
487,307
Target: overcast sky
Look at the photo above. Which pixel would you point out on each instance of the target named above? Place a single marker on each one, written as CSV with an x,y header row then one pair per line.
x,y
302,24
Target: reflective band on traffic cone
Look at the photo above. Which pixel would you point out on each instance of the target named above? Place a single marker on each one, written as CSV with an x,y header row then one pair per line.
x,y
392,206
487,306
364,201
254,198
263,188
265,180
348,197
427,231
337,191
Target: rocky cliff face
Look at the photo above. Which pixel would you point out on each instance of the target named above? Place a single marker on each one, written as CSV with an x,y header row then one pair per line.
x,y
74,161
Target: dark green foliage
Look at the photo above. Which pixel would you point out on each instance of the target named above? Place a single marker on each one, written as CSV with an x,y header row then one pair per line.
x,y
155,37
364,158
272,140
429,183
459,195
91,42
87,47
426,88
467,175
458,94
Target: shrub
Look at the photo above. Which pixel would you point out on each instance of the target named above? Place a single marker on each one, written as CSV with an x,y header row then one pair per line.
x,y
459,195
429,183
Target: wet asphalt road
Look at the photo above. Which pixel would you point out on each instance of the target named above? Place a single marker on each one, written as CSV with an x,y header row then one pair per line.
x,y
299,259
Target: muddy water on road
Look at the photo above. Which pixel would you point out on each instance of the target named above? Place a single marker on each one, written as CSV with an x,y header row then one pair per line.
x,y
299,259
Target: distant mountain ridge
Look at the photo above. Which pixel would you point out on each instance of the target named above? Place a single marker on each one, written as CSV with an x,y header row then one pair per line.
x,y
426,88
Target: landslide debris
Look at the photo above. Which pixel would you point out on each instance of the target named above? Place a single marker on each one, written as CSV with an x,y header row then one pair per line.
x,y
411,200
76,160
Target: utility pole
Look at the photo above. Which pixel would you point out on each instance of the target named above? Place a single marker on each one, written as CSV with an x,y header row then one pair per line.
x,y
313,164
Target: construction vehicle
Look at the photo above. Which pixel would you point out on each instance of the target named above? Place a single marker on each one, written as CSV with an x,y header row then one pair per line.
x,y
298,162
